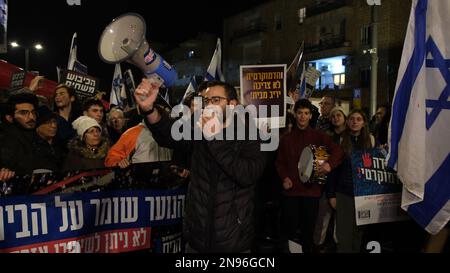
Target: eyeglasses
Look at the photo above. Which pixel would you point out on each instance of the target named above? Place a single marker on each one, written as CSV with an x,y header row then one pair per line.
x,y
26,112
214,100
324,103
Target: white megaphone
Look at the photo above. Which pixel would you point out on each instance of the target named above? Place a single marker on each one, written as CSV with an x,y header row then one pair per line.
x,y
124,40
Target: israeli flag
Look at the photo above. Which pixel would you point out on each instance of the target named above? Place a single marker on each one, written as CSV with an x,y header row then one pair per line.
x,y
214,71
295,72
302,84
117,88
419,133
192,87
73,53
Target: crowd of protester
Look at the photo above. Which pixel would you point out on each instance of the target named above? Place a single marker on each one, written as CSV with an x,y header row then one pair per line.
x,y
234,179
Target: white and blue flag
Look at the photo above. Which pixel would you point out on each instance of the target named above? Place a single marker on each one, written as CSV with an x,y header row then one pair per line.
x,y
192,87
214,71
73,52
419,133
73,63
117,88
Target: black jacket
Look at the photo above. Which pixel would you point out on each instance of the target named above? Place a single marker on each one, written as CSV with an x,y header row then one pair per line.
x,y
47,156
219,204
16,149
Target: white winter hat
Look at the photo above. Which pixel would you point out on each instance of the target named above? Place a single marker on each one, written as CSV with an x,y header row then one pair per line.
x,y
84,123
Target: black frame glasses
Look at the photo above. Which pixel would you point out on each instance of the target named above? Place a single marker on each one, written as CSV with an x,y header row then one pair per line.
x,y
215,100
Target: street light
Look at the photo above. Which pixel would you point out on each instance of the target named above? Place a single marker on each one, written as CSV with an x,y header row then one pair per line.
x,y
36,46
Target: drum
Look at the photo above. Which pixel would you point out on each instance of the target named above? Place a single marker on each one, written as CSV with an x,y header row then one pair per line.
x,y
308,165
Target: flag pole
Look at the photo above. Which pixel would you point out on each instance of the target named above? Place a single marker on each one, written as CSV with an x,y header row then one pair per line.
x,y
374,62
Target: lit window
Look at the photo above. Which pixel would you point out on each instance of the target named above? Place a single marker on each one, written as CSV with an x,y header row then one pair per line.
x,y
301,15
339,80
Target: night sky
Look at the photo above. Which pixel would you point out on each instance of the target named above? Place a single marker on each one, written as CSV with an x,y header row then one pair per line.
x,y
53,22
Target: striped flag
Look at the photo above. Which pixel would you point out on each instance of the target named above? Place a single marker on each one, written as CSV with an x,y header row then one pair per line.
x,y
192,87
118,87
214,71
73,63
419,130
73,53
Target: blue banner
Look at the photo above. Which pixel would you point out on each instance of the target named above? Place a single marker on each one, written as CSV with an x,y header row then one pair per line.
x,y
377,190
107,221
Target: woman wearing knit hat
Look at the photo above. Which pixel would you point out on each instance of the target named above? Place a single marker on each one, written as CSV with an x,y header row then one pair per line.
x,y
89,149
338,118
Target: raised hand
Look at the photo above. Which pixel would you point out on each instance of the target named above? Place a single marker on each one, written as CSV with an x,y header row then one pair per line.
x,y
146,94
34,84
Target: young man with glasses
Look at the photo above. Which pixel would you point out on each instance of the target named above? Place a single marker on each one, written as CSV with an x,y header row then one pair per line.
x,y
16,142
220,199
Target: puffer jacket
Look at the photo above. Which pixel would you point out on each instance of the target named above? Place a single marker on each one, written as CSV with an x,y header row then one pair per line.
x,y
219,206
82,158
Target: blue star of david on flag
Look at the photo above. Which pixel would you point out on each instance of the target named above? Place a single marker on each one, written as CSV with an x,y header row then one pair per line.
x,y
443,65
116,86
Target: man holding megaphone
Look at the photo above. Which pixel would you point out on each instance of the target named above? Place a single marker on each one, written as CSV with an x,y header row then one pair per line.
x,y
220,199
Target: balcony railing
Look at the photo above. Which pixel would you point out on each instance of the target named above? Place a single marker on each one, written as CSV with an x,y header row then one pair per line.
x,y
330,43
250,30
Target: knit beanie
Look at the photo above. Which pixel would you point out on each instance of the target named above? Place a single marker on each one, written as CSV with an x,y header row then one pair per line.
x,y
84,123
338,108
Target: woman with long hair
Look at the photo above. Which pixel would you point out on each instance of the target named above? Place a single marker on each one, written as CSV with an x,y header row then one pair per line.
x,y
355,137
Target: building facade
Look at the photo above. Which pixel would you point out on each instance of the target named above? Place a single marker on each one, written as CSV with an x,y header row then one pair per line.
x,y
191,58
336,33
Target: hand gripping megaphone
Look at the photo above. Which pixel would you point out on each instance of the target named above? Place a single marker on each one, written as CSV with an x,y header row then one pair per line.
x,y
124,40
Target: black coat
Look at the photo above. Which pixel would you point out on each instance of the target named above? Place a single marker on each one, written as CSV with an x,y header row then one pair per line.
x,y
47,156
219,204
16,149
